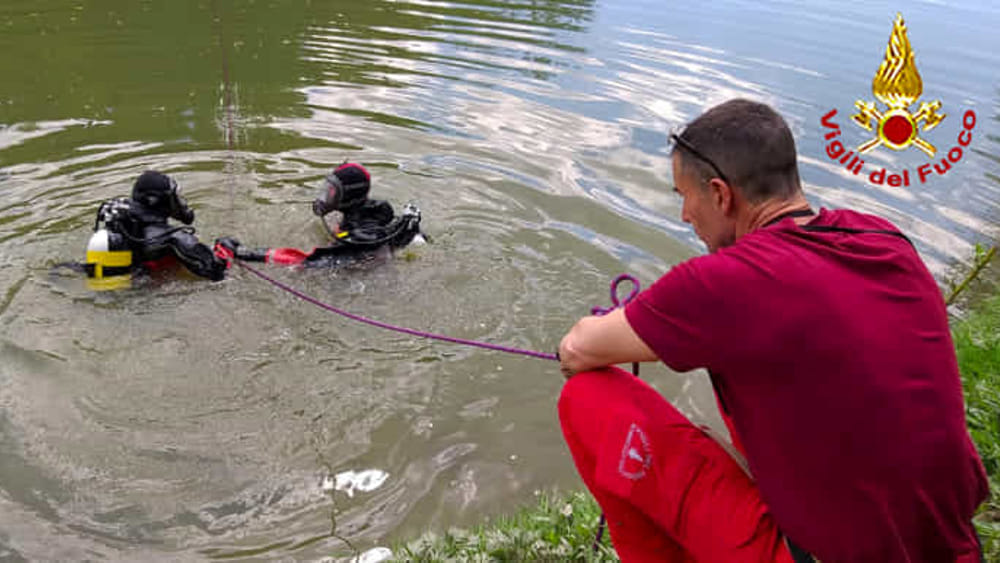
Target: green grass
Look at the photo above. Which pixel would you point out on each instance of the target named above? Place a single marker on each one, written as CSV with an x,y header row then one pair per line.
x,y
561,528
557,528
977,343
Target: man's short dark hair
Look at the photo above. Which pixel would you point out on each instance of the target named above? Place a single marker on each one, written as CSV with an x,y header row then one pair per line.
x,y
748,142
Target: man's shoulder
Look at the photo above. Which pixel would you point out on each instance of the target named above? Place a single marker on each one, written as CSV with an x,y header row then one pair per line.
x,y
707,273
852,219
768,250
787,238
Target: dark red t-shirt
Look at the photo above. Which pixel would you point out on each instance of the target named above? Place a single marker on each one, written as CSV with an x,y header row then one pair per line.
x,y
832,354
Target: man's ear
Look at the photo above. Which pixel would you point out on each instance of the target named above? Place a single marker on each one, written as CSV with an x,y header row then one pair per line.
x,y
723,196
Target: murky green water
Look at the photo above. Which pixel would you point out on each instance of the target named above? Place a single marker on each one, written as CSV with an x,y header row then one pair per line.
x,y
192,420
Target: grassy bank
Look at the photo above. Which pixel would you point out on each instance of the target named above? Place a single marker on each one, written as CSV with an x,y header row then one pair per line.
x,y
562,528
977,342
556,528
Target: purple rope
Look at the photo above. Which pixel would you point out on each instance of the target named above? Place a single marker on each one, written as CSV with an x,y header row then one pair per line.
x,y
431,335
615,302
421,334
599,311
600,532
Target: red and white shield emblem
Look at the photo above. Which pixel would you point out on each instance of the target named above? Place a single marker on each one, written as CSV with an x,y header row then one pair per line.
x,y
636,455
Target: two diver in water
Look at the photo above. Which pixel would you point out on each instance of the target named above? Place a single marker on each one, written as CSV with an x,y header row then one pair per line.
x,y
133,236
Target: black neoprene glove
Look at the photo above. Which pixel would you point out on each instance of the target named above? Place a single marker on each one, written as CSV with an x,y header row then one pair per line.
x,y
227,248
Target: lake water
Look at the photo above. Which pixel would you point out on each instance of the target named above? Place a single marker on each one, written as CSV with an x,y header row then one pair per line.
x,y
188,420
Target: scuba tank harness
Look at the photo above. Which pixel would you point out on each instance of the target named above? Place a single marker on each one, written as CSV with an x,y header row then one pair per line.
x,y
109,257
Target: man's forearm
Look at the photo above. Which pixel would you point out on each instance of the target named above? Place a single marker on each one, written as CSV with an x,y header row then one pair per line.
x,y
574,356
596,342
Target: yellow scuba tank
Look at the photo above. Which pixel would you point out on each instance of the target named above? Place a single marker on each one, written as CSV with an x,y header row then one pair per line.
x,y
109,259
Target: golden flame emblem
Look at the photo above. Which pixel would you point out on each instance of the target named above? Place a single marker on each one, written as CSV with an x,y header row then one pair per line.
x,y
897,84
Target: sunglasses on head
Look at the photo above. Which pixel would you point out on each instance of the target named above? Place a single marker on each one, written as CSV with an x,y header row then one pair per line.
x,y
695,152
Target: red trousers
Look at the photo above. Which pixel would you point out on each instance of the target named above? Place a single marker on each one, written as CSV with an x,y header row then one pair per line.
x,y
669,491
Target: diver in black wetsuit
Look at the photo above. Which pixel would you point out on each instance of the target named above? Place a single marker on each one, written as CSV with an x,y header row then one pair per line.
x,y
133,234
367,225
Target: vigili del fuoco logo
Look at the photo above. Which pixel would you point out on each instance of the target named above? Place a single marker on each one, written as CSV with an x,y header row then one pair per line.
x,y
897,84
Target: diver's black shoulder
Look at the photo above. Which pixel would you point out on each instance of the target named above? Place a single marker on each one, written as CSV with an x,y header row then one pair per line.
x,y
378,205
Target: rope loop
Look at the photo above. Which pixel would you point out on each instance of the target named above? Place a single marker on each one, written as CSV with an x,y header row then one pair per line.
x,y
615,301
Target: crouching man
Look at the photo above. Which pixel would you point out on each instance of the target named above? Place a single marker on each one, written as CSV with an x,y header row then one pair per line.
x,y
828,346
